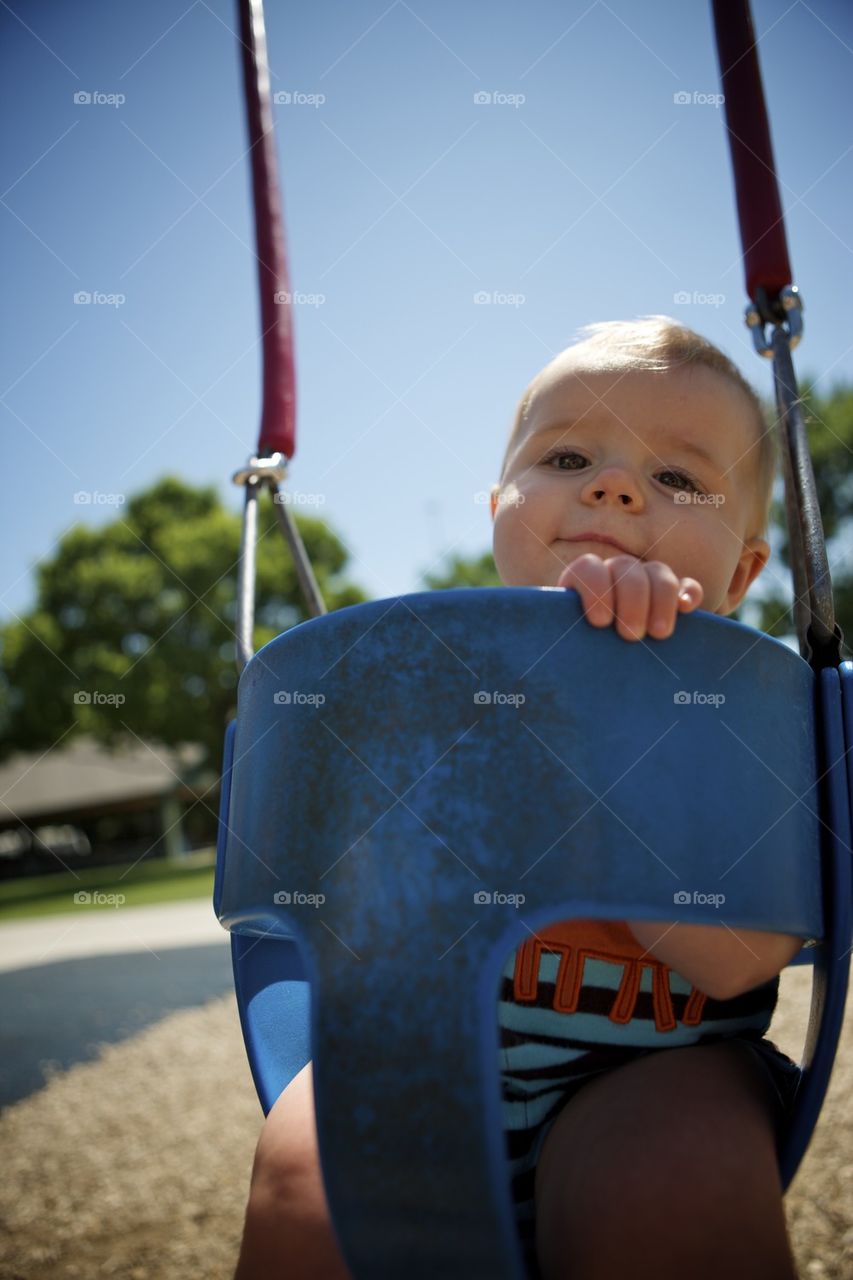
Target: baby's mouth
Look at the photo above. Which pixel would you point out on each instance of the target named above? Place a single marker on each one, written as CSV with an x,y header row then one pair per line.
x,y
601,541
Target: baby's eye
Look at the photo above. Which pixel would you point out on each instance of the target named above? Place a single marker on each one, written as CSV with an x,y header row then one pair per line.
x,y
679,475
563,453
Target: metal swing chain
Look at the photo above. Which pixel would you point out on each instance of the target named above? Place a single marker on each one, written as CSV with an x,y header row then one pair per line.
x,y
818,633
266,473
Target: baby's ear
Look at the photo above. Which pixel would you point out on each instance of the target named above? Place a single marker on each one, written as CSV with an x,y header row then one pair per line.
x,y
493,497
760,551
753,558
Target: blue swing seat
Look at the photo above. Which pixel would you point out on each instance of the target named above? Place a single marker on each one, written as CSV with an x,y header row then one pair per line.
x,y
406,792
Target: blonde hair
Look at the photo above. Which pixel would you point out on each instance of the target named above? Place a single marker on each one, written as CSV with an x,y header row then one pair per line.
x,y
661,343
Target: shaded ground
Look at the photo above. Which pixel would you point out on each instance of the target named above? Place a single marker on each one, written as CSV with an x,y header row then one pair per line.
x,y
137,1165
63,1013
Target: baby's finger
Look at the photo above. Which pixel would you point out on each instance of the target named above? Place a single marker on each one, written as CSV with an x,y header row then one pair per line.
x,y
690,594
590,577
663,608
633,596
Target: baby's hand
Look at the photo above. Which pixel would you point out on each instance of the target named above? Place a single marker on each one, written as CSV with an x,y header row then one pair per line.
x,y
642,595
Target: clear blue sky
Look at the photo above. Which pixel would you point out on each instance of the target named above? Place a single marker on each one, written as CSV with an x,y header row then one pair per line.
x,y
597,197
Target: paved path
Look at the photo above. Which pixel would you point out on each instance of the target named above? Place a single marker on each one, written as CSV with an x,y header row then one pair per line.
x,y
70,983
92,931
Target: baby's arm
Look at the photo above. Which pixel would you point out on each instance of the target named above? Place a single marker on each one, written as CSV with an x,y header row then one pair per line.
x,y
721,961
641,595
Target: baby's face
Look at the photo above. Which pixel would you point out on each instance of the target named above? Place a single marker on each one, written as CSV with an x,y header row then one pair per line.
x,y
612,453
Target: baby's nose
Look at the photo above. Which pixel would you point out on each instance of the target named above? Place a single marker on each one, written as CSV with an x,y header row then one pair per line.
x,y
624,498
613,484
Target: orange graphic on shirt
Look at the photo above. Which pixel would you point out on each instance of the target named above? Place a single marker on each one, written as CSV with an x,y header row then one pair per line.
x,y
570,979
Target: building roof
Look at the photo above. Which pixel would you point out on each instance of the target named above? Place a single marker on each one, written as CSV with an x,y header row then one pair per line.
x,y
85,775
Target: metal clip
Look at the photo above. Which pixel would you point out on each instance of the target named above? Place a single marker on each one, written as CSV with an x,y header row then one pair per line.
x,y
785,313
272,469
257,473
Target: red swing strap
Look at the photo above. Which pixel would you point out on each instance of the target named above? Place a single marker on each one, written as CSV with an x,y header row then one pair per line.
x,y
278,431
277,441
767,267
775,301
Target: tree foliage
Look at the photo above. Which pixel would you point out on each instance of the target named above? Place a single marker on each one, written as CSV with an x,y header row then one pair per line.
x,y
143,609
479,572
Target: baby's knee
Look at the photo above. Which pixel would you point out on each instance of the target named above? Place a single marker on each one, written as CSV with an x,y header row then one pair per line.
x,y
288,1227
677,1144
279,1169
287,1160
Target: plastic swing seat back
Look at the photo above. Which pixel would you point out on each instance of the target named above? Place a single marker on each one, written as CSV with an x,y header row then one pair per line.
x,y
383,772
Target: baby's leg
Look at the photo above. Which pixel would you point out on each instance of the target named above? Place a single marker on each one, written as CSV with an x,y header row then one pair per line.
x,y
665,1167
288,1229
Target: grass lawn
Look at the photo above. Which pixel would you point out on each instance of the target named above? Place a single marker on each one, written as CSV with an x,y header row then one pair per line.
x,y
151,880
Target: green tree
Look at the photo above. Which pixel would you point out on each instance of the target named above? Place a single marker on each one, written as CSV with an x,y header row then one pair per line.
x,y
144,608
479,572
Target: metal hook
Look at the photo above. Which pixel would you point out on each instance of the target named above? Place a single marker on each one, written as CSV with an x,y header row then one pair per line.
x,y
786,310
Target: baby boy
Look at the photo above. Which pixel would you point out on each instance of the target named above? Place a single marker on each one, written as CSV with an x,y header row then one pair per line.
x,y
639,472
